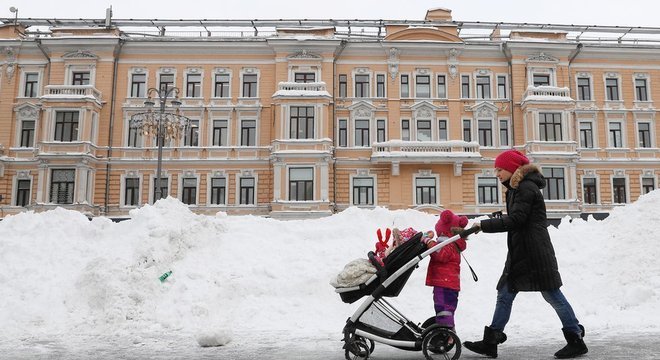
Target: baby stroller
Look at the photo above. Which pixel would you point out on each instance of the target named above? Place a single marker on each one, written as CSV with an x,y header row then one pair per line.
x,y
376,320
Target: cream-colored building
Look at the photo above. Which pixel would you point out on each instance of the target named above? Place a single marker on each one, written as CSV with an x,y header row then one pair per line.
x,y
303,118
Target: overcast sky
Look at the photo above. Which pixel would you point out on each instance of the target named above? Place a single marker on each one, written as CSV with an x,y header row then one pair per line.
x,y
583,12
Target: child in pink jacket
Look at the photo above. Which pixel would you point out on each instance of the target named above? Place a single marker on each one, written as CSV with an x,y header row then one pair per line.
x,y
444,271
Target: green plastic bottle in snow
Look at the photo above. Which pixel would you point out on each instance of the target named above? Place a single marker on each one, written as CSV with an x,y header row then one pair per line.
x,y
165,276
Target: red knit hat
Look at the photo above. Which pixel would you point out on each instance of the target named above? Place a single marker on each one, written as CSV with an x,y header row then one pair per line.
x,y
511,160
447,221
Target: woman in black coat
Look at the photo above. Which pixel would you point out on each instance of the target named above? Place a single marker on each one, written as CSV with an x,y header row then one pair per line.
x,y
531,264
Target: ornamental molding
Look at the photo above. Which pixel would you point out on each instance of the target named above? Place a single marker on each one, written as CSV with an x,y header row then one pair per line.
x,y
27,111
80,54
542,57
304,54
393,62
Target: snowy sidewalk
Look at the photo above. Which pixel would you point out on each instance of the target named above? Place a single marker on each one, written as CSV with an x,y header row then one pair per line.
x,y
264,347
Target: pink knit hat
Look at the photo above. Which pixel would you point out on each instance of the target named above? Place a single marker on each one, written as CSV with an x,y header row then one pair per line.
x,y
511,160
447,221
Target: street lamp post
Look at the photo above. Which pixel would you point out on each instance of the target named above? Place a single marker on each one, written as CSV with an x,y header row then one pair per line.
x,y
162,125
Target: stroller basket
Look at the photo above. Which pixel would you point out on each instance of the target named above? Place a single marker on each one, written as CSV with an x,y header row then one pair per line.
x,y
393,262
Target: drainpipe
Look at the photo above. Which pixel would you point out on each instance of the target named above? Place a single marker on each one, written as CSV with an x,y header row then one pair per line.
x,y
115,64
43,51
572,57
338,52
507,54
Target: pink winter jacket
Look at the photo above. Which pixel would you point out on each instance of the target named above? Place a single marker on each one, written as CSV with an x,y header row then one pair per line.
x,y
445,266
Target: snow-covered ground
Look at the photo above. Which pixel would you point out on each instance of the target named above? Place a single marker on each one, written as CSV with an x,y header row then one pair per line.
x,y
233,276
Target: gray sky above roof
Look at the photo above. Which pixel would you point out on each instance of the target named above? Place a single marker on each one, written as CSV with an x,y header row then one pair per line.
x,y
581,12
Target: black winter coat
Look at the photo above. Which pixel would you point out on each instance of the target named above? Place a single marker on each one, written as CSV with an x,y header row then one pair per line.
x,y
531,264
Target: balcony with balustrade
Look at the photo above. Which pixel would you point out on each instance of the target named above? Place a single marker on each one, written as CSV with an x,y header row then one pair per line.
x,y
297,90
72,93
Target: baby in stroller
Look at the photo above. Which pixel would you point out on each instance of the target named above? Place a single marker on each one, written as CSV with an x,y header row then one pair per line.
x,y
444,268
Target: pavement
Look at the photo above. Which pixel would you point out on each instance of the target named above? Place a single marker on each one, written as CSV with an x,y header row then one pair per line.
x,y
276,347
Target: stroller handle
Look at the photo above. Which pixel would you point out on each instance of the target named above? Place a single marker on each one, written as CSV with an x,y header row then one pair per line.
x,y
469,231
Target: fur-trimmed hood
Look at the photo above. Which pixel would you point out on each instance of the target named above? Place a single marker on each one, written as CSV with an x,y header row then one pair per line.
x,y
530,172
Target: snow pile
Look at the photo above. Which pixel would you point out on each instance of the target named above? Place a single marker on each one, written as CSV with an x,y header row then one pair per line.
x,y
232,276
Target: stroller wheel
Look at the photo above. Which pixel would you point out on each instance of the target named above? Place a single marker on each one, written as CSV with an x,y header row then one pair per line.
x,y
358,349
369,342
441,343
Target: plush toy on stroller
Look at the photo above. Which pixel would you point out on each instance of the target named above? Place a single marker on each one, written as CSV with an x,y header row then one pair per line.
x,y
376,320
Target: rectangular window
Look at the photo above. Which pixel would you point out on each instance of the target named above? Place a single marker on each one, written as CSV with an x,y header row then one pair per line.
x,y
616,138
191,137
23,192
554,181
380,85
248,132
467,130
465,86
425,191
619,190
424,130
648,185
584,88
301,122
541,80
644,130
423,86
221,85
27,133
641,93
442,130
31,85
189,196
589,189
138,85
246,191
483,87
361,86
304,77
504,132
343,133
194,85
586,135
405,86
301,184
501,86
343,85
550,127
220,133
487,190
485,128
380,130
218,191
442,86
363,191
80,78
362,133
62,186
249,85
132,191
405,130
134,137
612,89
164,188
66,125
166,82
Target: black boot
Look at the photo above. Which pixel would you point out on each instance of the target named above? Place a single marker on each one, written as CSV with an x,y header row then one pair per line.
x,y
487,346
575,345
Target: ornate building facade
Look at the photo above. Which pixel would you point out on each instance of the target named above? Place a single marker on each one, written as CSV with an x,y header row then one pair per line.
x,y
294,119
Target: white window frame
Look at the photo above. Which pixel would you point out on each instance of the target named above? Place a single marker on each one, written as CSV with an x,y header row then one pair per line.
x,y
209,188
429,74
620,174
437,94
593,175
507,88
222,71
476,189
549,71
122,191
288,182
53,121
211,127
486,74
22,175
23,74
493,132
426,174
250,71
372,80
651,133
385,85
646,77
152,181
623,133
508,133
70,69
129,87
447,123
237,187
363,174
409,86
617,76
189,175
193,71
239,129
166,71
591,86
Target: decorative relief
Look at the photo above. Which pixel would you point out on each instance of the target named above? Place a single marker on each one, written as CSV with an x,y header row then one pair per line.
x,y
583,74
423,71
219,173
80,54
28,112
619,172
10,59
363,172
393,62
194,71
542,57
221,70
362,70
590,173
250,70
362,111
641,75
247,172
425,172
304,54
23,174
453,62
423,113
139,70
189,173
483,72
612,75
167,70
648,173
